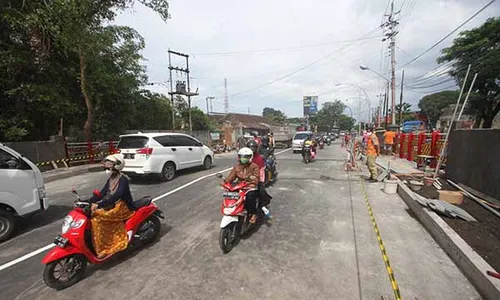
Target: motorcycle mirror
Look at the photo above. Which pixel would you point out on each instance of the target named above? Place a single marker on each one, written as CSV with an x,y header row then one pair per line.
x,y
96,193
73,190
218,175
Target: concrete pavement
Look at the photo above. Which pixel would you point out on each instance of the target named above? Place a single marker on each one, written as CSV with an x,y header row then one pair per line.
x,y
321,245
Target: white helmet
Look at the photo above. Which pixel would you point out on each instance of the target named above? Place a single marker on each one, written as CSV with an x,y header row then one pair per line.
x,y
245,155
117,160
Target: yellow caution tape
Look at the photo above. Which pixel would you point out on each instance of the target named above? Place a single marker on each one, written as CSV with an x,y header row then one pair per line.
x,y
78,158
385,257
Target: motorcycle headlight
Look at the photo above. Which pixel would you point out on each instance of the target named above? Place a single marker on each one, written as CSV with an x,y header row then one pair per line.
x,y
66,224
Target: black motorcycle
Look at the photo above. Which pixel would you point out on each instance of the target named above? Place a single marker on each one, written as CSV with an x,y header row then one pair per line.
x,y
270,171
306,154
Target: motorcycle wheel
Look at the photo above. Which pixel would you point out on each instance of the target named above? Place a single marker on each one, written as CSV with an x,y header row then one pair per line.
x,y
65,272
149,230
227,238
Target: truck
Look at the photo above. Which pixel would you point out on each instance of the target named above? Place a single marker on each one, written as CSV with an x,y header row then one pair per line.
x,y
283,135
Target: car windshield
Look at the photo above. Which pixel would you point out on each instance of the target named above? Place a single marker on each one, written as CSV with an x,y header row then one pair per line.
x,y
132,142
300,136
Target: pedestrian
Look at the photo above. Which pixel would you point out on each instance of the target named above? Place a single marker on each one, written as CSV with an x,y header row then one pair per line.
x,y
389,137
372,152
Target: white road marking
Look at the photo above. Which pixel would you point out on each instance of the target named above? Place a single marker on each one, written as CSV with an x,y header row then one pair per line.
x,y
43,249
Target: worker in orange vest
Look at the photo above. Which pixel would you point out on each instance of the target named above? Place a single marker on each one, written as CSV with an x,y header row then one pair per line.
x,y
372,152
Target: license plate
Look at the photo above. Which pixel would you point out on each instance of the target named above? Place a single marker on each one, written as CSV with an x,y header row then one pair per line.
x,y
61,241
231,195
128,156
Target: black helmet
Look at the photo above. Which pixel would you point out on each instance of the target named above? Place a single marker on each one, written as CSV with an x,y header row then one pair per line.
x,y
252,144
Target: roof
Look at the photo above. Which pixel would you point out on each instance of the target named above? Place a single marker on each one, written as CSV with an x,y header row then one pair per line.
x,y
246,121
152,135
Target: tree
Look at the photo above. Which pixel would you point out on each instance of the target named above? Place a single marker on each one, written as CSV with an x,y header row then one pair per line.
x,y
345,122
328,115
274,115
431,105
406,112
479,47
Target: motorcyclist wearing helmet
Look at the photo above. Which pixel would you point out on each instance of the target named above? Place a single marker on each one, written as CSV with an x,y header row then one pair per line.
x,y
247,170
111,209
312,143
256,138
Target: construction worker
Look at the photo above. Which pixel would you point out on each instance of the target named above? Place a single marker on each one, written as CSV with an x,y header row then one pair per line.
x,y
372,152
389,137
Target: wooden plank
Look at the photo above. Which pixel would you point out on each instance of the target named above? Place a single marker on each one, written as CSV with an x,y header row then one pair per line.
x,y
479,194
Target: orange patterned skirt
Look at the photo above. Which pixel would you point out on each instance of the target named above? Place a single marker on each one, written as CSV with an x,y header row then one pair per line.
x,y
108,229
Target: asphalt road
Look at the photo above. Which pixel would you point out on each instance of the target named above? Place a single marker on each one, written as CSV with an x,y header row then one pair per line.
x,y
320,245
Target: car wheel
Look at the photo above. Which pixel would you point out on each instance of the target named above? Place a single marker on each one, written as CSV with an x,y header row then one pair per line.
x,y
7,224
168,172
207,163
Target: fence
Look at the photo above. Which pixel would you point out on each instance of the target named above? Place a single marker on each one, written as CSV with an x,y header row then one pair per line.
x,y
409,146
87,152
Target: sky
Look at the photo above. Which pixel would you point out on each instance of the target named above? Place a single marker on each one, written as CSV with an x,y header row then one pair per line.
x,y
274,52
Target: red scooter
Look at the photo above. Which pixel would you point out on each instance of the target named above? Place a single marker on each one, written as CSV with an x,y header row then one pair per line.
x,y
235,220
66,263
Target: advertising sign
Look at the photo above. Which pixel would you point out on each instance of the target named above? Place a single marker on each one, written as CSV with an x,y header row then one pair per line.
x,y
310,104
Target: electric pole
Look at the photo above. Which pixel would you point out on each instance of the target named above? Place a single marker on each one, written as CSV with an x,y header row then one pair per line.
x,y
226,99
180,86
401,99
391,34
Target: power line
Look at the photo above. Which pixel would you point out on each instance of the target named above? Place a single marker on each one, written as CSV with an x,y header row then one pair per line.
x,y
449,34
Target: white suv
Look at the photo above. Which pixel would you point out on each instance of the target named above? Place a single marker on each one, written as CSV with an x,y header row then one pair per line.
x,y
163,154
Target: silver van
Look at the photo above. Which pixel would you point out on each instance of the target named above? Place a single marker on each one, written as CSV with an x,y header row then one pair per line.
x,y
22,190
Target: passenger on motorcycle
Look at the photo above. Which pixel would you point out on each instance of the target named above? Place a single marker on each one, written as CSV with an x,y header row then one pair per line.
x,y
110,209
264,197
248,171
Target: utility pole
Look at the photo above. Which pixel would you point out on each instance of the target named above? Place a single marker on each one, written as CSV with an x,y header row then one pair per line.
x,y
401,99
180,86
380,109
386,104
226,99
391,25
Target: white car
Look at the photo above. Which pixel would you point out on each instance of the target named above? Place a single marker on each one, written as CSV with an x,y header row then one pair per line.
x,y
298,140
22,190
162,154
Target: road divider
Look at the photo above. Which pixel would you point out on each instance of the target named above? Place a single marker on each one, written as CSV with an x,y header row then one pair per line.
x,y
50,246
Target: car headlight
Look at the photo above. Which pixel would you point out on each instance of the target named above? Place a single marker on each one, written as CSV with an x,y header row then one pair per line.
x,y
66,224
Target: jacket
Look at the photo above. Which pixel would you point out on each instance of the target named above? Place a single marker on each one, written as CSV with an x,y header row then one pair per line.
x,y
243,172
122,193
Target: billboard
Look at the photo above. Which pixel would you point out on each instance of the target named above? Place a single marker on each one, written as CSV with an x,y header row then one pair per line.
x,y
310,104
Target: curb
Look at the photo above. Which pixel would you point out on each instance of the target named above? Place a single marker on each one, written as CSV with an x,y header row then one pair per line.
x,y
71,173
472,265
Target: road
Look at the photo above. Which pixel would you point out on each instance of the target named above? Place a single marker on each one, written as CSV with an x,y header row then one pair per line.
x,y
320,245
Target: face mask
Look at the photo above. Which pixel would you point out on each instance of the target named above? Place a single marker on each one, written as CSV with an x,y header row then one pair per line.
x,y
244,160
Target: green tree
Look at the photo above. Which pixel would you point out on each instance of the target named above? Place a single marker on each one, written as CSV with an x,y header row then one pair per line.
x,y
479,47
345,122
406,112
329,114
431,105
274,115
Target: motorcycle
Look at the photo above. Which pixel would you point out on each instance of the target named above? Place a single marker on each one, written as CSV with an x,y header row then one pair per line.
x,y
235,219
328,141
74,248
321,144
307,153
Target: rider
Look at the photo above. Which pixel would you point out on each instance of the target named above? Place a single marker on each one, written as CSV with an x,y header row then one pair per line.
x,y
110,209
256,138
265,198
248,171
312,143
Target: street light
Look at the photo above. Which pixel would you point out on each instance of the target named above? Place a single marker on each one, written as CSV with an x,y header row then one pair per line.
x,y
364,92
365,68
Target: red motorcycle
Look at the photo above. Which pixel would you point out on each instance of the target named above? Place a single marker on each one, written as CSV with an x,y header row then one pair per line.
x,y
66,263
321,144
235,219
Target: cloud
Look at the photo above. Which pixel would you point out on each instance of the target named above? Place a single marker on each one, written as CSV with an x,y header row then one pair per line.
x,y
274,52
